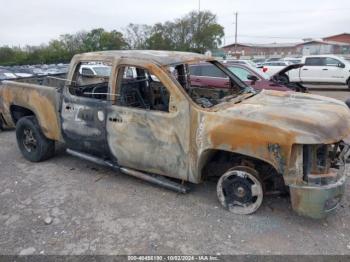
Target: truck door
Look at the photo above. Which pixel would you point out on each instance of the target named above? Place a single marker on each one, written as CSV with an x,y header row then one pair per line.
x,y
148,124
313,71
333,70
83,110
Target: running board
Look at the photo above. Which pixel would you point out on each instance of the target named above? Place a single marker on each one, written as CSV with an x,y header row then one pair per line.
x,y
151,178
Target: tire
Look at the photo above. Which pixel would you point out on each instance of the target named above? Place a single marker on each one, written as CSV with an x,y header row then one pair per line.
x,y
240,190
349,83
34,146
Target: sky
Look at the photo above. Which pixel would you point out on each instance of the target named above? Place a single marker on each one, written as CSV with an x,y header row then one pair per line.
x,y
35,22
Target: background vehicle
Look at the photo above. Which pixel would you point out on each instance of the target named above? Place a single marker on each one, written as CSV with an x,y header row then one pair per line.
x,y
292,60
273,67
259,61
322,69
207,75
95,70
5,74
170,128
240,61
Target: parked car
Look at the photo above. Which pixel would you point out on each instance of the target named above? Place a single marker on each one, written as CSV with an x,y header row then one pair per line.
x,y
6,74
273,67
322,69
240,61
273,59
292,60
204,75
95,70
259,62
252,142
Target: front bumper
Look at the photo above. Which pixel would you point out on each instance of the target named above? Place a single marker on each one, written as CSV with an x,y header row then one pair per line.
x,y
317,201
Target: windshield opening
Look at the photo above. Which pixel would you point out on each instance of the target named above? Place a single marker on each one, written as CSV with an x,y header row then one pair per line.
x,y
208,83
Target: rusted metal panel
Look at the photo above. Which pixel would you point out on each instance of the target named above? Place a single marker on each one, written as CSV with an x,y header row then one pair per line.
x,y
152,141
41,100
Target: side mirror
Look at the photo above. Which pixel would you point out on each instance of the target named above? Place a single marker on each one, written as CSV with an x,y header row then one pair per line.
x,y
253,78
341,65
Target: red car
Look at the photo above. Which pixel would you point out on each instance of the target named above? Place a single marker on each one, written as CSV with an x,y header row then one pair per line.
x,y
206,75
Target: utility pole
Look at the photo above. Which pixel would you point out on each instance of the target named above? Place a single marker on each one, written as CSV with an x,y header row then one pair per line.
x,y
199,6
236,26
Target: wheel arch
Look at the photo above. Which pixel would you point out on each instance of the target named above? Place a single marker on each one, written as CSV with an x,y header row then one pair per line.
x,y
215,162
17,112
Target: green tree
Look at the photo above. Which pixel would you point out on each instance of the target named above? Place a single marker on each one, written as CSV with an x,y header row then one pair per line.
x,y
137,35
196,31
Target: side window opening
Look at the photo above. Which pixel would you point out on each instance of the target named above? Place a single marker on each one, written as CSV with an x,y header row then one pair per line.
x,y
91,79
140,89
241,73
332,61
314,61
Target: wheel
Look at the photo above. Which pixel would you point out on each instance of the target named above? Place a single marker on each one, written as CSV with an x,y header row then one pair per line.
x,y
34,146
240,190
349,83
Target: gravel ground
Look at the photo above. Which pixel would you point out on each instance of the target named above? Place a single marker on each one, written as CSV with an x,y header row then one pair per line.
x,y
69,206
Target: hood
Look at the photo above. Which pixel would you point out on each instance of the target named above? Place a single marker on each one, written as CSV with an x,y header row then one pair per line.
x,y
310,119
286,69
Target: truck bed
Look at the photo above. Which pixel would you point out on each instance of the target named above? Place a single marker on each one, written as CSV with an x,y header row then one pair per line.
x,y
38,96
56,81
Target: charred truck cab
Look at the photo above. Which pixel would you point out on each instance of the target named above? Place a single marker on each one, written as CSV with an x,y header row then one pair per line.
x,y
139,113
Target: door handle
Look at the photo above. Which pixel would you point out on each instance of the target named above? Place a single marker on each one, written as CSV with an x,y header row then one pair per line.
x,y
324,69
116,119
305,69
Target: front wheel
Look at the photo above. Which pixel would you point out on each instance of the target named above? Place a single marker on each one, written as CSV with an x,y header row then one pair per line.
x,y
34,146
240,190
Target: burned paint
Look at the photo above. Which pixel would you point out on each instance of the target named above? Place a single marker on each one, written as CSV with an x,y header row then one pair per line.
x,y
269,126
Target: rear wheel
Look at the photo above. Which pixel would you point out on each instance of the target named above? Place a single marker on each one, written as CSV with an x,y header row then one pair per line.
x,y
34,146
240,190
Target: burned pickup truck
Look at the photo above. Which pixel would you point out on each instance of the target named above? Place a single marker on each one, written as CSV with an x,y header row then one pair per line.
x,y
141,116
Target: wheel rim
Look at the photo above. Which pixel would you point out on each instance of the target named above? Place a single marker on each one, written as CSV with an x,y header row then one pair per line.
x,y
29,141
240,192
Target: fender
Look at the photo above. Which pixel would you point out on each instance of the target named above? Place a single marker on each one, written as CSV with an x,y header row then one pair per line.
x,y
42,101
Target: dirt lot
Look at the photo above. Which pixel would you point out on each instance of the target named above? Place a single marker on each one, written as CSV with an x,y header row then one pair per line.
x,y
97,211
342,92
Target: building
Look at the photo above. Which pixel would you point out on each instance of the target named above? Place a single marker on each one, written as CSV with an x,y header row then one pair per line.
x,y
271,50
319,47
343,38
337,44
